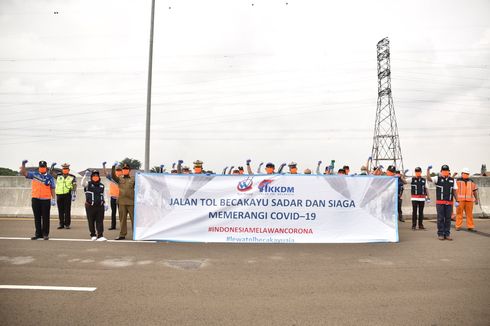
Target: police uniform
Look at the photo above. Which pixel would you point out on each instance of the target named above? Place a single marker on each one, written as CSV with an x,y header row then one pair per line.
x,y
65,189
126,185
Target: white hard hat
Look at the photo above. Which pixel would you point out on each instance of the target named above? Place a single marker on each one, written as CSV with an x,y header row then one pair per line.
x,y
465,170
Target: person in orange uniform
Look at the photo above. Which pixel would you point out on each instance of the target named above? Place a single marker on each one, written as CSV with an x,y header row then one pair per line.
x,y
43,197
467,194
113,192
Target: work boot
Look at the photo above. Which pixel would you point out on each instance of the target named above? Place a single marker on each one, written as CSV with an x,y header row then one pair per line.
x,y
60,227
471,230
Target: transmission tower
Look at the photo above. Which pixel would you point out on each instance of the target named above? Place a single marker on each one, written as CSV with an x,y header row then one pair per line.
x,y
386,142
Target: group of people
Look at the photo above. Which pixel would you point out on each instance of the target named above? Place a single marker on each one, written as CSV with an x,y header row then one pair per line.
x,y
50,189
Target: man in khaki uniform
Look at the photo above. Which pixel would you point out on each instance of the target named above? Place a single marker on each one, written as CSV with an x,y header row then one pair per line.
x,y
126,198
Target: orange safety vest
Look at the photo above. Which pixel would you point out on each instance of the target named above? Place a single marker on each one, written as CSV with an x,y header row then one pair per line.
x,y
113,190
40,190
465,190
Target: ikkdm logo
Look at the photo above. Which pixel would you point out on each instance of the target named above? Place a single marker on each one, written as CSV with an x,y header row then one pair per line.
x,y
265,186
245,185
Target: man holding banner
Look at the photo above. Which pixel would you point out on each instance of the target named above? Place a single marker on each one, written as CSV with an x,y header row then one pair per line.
x,y
126,185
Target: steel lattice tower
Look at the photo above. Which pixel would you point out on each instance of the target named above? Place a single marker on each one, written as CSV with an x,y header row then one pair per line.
x,y
386,142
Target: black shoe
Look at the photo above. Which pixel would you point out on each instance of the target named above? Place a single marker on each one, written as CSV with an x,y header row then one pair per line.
x,y
120,238
471,230
35,238
46,237
422,227
414,228
401,220
448,238
111,228
60,227
67,227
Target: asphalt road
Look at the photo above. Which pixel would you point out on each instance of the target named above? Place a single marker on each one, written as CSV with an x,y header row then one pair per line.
x,y
419,281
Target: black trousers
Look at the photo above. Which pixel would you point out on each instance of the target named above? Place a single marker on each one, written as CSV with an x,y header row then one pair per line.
x,y
113,212
64,209
418,206
41,209
400,213
444,213
95,217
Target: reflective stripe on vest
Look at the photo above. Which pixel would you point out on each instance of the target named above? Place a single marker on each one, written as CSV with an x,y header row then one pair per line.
x,y
444,189
465,190
418,189
64,184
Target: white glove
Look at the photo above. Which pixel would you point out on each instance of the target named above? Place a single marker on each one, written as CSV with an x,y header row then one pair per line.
x,y
106,207
53,202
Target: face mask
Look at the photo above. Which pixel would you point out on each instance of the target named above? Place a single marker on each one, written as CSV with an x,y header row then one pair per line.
x,y
125,171
197,170
118,173
418,174
465,176
445,174
293,170
95,178
42,170
65,171
269,170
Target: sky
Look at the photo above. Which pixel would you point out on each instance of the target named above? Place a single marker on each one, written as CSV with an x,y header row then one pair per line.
x,y
270,81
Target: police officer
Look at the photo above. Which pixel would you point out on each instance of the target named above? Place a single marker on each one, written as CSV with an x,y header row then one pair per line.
x,y
43,195
445,194
66,192
126,184
419,194
94,205
198,167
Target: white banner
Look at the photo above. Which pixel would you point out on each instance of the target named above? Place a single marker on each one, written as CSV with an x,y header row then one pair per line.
x,y
266,208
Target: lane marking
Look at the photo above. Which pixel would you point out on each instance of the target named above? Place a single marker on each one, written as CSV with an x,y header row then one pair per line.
x,y
48,288
80,240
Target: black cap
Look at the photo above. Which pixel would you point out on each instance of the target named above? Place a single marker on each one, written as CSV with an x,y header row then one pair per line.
x,y
392,169
270,165
126,166
240,168
340,171
418,169
43,164
95,172
445,168
346,167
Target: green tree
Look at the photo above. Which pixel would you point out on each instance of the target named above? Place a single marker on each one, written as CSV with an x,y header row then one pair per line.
x,y
134,164
8,172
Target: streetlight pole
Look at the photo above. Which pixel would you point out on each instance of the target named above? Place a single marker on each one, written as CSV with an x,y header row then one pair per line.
x,y
148,95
